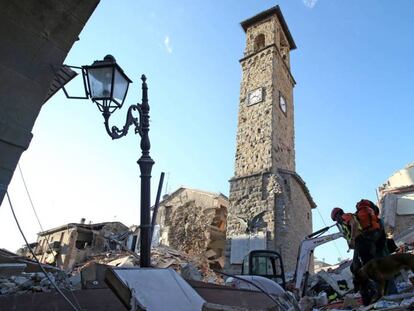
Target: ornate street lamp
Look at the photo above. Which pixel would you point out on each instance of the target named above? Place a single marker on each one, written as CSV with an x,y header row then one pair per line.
x,y
107,85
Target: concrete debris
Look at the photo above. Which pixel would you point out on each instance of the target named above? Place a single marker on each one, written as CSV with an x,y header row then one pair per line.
x,y
336,284
192,267
407,302
33,282
166,257
396,201
9,269
405,239
20,275
190,272
75,281
351,301
194,222
11,261
70,244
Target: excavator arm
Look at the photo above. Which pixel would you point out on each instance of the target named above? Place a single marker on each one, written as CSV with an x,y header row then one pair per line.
x,y
268,264
306,250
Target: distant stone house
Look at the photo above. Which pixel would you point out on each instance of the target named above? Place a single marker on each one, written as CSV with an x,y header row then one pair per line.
x,y
67,245
194,221
396,200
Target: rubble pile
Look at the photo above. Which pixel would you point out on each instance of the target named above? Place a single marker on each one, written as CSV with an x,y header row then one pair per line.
x,y
335,282
194,222
33,282
19,275
333,290
389,303
190,267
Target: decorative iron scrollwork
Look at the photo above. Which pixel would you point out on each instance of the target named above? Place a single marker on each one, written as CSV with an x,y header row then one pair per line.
x,y
115,132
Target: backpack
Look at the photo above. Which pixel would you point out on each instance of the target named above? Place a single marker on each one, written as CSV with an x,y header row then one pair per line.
x,y
367,216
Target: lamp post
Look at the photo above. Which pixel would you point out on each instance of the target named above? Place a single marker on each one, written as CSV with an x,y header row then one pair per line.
x,y
107,85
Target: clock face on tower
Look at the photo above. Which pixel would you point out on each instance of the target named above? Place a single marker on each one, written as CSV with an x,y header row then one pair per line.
x,y
282,103
255,96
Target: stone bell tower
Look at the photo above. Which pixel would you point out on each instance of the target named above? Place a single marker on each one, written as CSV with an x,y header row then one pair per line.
x,y
270,205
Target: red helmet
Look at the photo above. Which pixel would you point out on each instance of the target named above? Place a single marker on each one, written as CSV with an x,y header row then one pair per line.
x,y
364,203
335,212
367,203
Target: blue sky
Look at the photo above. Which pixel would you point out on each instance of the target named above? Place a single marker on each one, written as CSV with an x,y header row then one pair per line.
x,y
353,107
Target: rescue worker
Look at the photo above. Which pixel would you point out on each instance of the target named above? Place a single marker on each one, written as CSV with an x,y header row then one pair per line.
x,y
384,246
348,225
371,242
374,239
351,228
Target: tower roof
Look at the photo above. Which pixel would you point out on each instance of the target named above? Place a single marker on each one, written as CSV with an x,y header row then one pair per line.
x,y
265,14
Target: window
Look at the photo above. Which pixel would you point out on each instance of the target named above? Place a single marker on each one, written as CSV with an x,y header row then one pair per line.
x,y
61,237
259,42
262,266
84,239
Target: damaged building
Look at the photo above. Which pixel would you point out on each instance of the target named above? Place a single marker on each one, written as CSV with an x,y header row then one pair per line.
x,y
67,245
194,221
396,198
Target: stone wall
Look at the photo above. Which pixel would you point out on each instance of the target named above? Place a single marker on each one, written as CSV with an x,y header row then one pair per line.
x,y
254,131
286,218
266,195
71,244
266,27
296,219
194,221
283,135
251,210
249,197
265,134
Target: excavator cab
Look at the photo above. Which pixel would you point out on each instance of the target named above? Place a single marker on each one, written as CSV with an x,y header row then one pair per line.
x,y
265,263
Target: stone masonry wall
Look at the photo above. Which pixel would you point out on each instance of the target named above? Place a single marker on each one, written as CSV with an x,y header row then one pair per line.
x,y
287,217
265,144
268,27
274,34
249,196
195,222
283,150
253,153
265,137
296,220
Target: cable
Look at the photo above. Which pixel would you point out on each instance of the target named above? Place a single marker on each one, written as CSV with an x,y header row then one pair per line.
x,y
30,198
278,303
33,207
35,258
40,224
334,242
